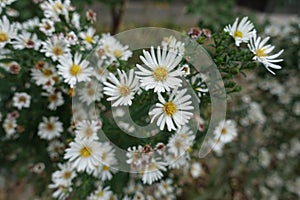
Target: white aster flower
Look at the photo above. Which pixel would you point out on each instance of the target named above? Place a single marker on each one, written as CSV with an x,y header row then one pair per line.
x,y
75,69
54,97
21,100
30,24
50,128
55,47
165,187
53,8
100,194
175,111
110,49
180,142
88,37
173,45
9,125
152,171
4,3
47,27
160,73
26,40
87,130
8,31
122,90
226,131
61,191
84,155
262,52
241,32
91,92
64,175
196,170
55,148
44,76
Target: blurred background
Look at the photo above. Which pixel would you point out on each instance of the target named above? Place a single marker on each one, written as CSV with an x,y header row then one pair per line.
x,y
263,163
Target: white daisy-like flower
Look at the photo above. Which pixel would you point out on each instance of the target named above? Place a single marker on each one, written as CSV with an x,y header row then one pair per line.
x,y
100,194
110,49
55,47
26,40
5,3
91,92
173,45
74,69
196,170
101,71
53,8
76,20
64,175
8,31
50,128
262,53
55,149
175,111
180,142
71,38
226,131
30,24
54,97
87,130
47,27
122,90
160,73
84,155
61,192
44,76
166,187
89,37
9,125
241,31
152,171
21,100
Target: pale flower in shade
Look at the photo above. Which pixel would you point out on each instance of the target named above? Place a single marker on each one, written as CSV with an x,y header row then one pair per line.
x,y
153,171
159,71
9,125
226,131
87,129
84,155
50,128
121,91
74,69
21,100
64,175
262,53
101,193
241,31
90,92
196,169
176,111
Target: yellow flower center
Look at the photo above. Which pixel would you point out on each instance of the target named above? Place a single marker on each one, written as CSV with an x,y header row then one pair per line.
x,y
105,168
75,70
224,131
67,175
160,73
261,52
47,26
71,92
100,194
47,72
170,108
3,37
124,90
85,152
89,39
50,126
57,51
118,53
57,7
238,34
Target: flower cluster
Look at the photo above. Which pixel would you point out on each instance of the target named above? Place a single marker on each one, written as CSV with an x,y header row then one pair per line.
x,y
63,81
